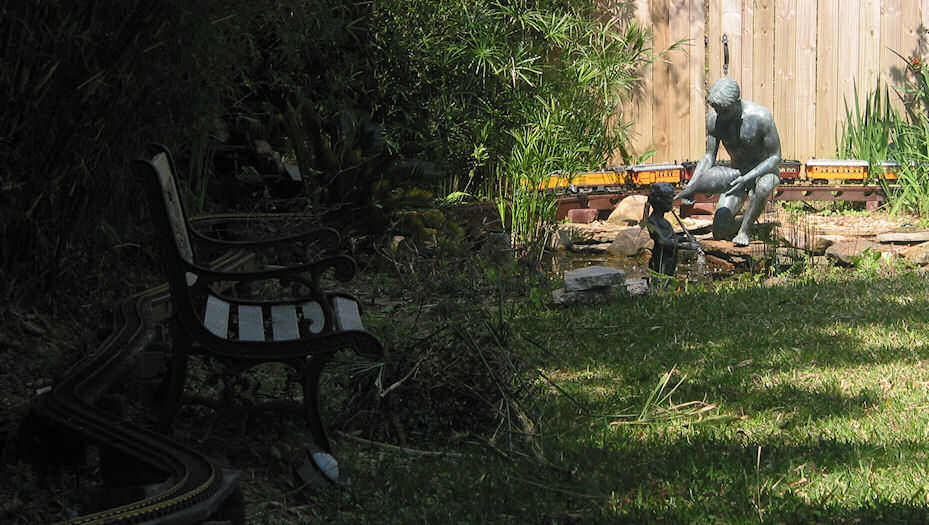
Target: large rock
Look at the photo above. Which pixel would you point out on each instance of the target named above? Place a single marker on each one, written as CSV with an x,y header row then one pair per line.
x,y
844,252
632,208
637,287
805,239
917,254
630,242
588,233
582,215
562,239
593,278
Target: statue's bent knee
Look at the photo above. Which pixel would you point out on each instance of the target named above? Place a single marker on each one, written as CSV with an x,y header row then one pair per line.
x,y
767,183
724,224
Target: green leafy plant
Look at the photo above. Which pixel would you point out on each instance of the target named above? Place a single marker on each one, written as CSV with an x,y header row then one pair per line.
x,y
866,133
499,83
878,132
911,146
872,263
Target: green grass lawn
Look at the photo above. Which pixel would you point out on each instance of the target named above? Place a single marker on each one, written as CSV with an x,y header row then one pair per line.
x,y
800,402
812,409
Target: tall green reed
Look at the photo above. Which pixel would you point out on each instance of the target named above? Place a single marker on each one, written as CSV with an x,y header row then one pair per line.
x,y
911,143
866,132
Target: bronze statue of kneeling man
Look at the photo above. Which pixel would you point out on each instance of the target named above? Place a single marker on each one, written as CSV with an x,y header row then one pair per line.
x,y
747,131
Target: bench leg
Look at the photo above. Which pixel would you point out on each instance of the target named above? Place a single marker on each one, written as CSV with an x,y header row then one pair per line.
x,y
174,382
320,451
311,376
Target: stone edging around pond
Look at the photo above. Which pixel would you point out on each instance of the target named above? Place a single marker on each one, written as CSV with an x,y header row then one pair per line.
x,y
812,237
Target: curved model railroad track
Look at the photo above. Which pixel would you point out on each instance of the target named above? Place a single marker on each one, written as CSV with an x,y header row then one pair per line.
x,y
193,486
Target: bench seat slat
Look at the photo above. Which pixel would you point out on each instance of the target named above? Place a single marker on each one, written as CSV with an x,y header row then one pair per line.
x,y
216,317
347,314
284,322
251,323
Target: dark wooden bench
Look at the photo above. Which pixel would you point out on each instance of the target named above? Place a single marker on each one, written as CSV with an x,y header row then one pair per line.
x,y
302,332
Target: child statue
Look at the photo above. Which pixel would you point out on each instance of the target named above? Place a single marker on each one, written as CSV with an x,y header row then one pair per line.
x,y
667,243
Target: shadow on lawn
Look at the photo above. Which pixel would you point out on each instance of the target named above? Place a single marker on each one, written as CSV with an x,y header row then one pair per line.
x,y
710,480
803,352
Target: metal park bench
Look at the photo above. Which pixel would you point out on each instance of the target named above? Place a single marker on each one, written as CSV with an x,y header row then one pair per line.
x,y
301,331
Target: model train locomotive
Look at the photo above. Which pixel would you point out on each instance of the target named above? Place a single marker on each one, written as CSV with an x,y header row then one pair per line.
x,y
814,171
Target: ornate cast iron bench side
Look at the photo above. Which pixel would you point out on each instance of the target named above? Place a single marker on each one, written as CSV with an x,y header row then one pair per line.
x,y
314,240
301,332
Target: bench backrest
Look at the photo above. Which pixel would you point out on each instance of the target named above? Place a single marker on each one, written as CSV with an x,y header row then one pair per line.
x,y
157,175
164,167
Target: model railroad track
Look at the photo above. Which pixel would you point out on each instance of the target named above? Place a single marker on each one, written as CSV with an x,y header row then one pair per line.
x,y
605,199
194,486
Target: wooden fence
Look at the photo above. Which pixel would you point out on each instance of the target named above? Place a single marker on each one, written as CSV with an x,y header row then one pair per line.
x,y
802,59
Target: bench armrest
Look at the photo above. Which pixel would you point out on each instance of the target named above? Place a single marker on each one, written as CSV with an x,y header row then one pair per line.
x,y
343,266
323,240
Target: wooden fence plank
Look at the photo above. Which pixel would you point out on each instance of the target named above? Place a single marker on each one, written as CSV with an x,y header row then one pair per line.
x,y
849,50
639,108
732,29
679,72
698,80
714,46
785,106
748,49
763,54
869,33
923,36
806,114
827,75
894,36
907,45
893,30
660,101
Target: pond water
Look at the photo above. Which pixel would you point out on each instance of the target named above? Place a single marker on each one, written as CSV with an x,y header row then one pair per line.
x,y
688,269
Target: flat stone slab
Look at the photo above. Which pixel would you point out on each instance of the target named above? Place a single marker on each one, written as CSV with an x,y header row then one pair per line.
x,y
726,247
593,278
599,295
596,232
596,248
845,252
903,237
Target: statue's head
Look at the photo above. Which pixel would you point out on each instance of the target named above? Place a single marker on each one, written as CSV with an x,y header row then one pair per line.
x,y
724,94
661,196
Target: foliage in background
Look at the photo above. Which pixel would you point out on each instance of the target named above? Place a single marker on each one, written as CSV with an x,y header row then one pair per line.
x,y
511,91
447,81
911,144
877,132
866,131
482,70
85,85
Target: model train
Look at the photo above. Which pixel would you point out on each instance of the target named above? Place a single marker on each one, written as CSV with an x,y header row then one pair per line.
x,y
814,171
